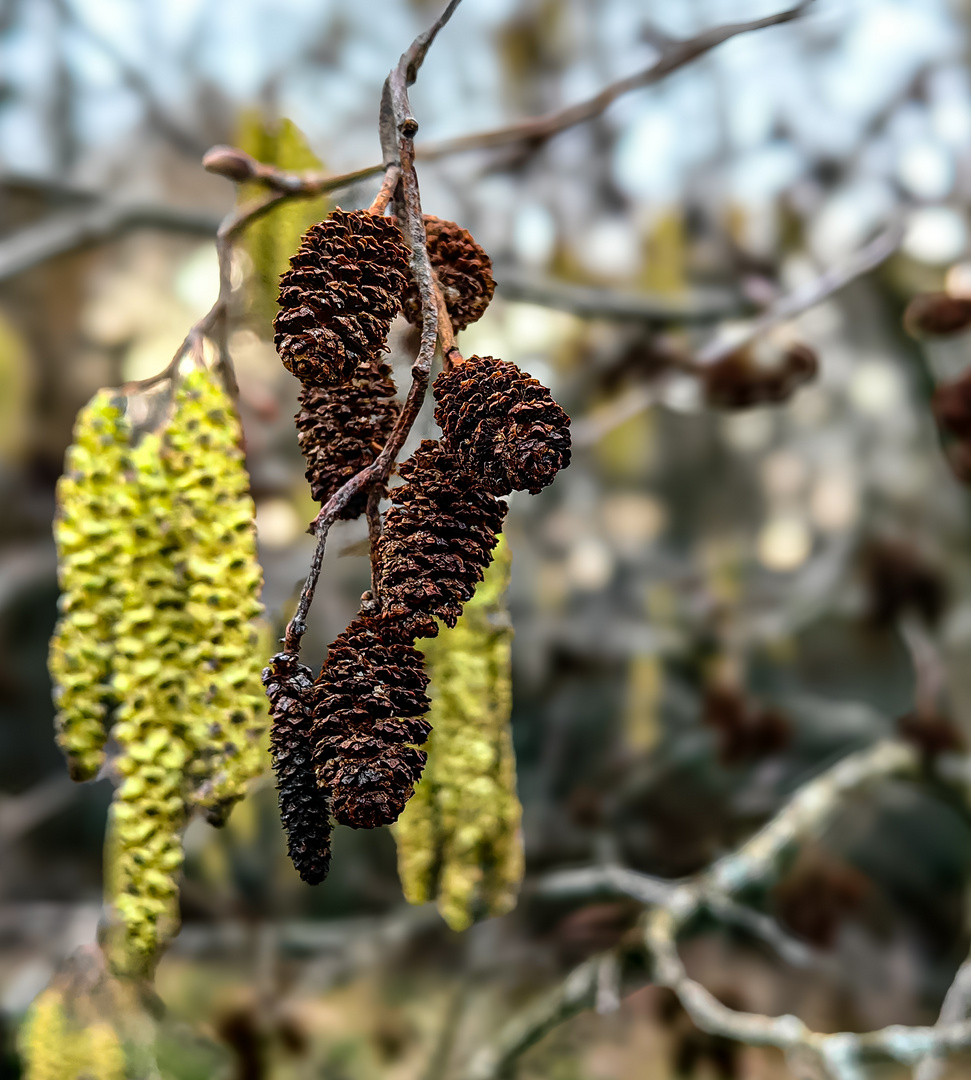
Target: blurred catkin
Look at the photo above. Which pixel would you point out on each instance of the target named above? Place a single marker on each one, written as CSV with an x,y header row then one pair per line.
x,y
92,560
53,1047
459,836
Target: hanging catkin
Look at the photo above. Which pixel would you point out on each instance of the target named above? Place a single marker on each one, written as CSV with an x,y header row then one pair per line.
x,y
143,849
459,836
159,635
92,558
213,519
77,1027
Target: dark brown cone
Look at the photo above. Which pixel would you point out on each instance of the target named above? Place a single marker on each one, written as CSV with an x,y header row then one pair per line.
x,y
342,431
737,382
339,296
438,539
504,427
303,805
937,315
370,700
464,274
746,730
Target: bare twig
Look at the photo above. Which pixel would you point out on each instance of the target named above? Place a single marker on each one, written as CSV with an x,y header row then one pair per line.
x,y
386,191
575,995
695,306
955,1008
676,904
674,55
74,230
809,296
374,537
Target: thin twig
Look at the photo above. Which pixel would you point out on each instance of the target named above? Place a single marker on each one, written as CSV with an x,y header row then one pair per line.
x,y
676,904
955,1008
386,191
536,130
674,55
809,296
374,538
694,306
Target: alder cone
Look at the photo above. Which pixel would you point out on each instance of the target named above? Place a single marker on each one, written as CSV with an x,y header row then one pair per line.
x,y
304,806
738,382
937,315
341,431
339,296
438,538
464,274
503,426
370,704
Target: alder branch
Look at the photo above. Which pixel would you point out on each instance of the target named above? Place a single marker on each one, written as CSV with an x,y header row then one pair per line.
x,y
75,230
397,127
955,1008
673,905
591,428
674,54
808,296
588,302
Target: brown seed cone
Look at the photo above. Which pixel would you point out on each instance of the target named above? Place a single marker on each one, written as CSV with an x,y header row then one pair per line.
x,y
342,431
737,382
304,806
339,296
937,315
370,698
464,273
746,730
438,539
504,427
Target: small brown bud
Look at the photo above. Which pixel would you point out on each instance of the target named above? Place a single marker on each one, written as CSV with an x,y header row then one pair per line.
x,y
228,161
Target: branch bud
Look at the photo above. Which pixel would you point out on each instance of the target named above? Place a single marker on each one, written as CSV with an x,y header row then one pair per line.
x,y
227,161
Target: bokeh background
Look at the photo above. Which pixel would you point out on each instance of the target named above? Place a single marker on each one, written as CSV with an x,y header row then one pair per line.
x,y
794,556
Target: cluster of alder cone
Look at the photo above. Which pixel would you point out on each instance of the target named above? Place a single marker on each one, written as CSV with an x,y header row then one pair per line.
x,y
346,744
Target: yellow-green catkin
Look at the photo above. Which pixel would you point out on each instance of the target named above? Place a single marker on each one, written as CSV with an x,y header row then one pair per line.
x,y
191,709
226,711
53,1046
90,530
459,837
144,846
